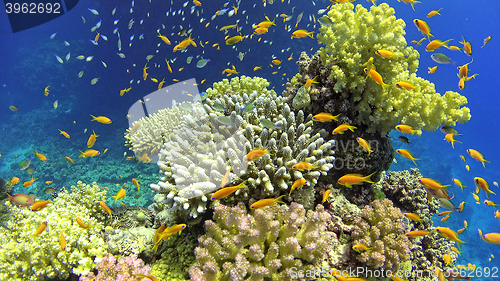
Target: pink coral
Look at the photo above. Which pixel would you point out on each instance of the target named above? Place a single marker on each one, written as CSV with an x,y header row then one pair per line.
x,y
125,270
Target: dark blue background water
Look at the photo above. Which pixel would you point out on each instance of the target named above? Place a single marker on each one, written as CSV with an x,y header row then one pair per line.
x,y
28,65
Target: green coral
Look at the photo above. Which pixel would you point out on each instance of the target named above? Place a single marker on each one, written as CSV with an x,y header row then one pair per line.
x,y
176,258
25,257
240,86
351,40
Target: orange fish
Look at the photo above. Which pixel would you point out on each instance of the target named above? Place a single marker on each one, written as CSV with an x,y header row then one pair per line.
x,y
413,216
354,179
436,44
375,76
83,225
40,156
40,229
483,184
432,69
120,194
164,38
184,44
451,138
226,191
266,202
325,196
63,242
46,91
342,128
105,207
101,119
301,166
64,134
405,129
407,154
144,71
423,27
310,81
364,144
92,139
89,153
255,154
69,160
478,156
431,183
30,182
384,53
417,233
136,182
492,238
302,33
40,204
14,181
325,117
297,184
467,46
433,13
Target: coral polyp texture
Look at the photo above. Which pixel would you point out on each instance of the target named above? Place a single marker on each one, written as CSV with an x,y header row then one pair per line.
x,y
27,257
125,269
217,135
351,39
266,245
380,227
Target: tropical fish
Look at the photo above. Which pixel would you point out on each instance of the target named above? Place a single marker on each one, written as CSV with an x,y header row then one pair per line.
x,y
413,216
94,81
342,128
201,63
325,117
40,229
364,144
433,13
40,156
432,69
448,205
266,202
404,139
103,205
304,166
82,224
89,153
354,179
407,154
92,139
46,91
226,191
412,2
451,138
302,33
326,195
467,47
65,134
436,44
486,41
375,76
417,233
483,184
235,39
255,154
297,184
120,194
21,199
269,124
423,27
163,38
40,204
431,183
384,53
407,130
478,156
13,108
59,59
101,119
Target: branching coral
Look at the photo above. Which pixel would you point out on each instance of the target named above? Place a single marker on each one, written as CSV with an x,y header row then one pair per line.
x,y
125,269
350,41
25,257
195,159
380,227
241,246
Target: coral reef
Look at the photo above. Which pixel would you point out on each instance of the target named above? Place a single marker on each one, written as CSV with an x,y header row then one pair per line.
x,y
350,41
241,246
123,270
25,257
194,161
176,258
129,241
380,227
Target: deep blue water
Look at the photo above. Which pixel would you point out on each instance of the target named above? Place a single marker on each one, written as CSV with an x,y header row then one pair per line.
x,y
28,65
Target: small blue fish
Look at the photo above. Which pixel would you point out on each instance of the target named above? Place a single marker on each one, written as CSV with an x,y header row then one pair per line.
x,y
441,58
219,107
201,63
188,60
268,124
249,107
225,120
53,35
93,11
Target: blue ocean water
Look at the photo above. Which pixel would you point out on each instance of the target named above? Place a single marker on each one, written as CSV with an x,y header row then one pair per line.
x,y
28,64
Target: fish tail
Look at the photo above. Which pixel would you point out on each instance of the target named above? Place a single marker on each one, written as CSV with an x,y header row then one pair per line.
x,y
278,200
311,34
367,178
93,117
414,161
484,162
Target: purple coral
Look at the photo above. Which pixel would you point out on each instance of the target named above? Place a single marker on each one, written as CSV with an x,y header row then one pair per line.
x,y
381,228
273,243
125,270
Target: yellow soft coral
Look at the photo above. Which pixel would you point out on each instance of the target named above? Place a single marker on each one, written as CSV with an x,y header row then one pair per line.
x,y
351,40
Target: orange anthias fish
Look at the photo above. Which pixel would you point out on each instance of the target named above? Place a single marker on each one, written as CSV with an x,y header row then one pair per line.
x,y
120,194
417,233
14,181
436,44
342,128
384,53
106,208
326,195
92,139
325,117
226,191
30,182
136,182
431,183
405,129
297,184
184,44
235,39
478,156
255,154
483,184
40,229
164,38
144,71
450,234
412,2
423,27
21,199
304,166
467,46
375,76
302,33
451,138
88,153
407,154
101,119
65,134
354,179
40,204
40,156
310,81
82,224
433,13
492,238
266,202
413,216
46,91
365,145
69,160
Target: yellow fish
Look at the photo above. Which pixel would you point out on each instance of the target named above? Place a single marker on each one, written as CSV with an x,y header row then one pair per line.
x,y
266,202
101,119
342,128
226,191
88,153
120,194
65,134
46,91
375,76
325,117
407,154
423,27
92,139
353,179
164,38
297,184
